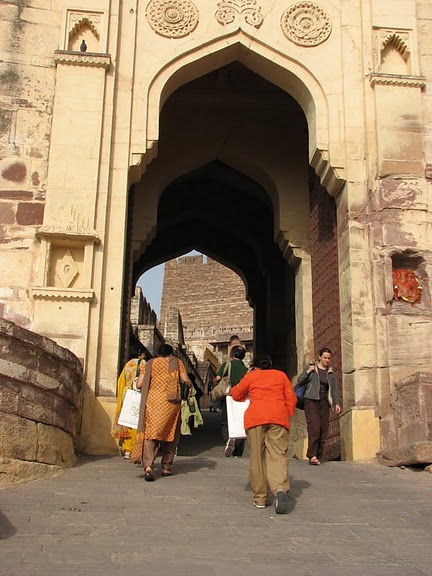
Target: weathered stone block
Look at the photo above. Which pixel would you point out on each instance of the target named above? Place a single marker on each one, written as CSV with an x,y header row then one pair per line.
x,y
18,437
360,434
418,453
7,214
54,446
413,409
16,471
8,398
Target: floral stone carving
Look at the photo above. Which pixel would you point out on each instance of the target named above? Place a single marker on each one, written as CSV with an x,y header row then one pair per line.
x,y
306,24
406,286
241,10
172,18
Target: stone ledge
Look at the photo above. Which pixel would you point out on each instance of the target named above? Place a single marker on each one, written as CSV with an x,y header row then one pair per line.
x,y
397,80
418,453
52,293
17,472
94,59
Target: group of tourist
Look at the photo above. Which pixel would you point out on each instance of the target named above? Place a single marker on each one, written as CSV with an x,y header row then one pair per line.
x,y
266,420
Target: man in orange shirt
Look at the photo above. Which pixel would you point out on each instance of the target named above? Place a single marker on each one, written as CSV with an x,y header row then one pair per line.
x,y
267,422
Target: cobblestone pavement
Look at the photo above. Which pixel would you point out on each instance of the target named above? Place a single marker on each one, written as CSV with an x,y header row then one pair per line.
x,y
101,517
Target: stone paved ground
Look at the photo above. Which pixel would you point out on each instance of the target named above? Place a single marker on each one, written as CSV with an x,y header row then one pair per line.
x,y
102,518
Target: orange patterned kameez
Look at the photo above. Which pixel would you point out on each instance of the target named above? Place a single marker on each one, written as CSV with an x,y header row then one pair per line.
x,y
161,416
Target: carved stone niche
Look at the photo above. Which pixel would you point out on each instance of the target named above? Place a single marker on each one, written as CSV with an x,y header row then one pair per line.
x,y
67,260
79,25
393,51
394,61
408,281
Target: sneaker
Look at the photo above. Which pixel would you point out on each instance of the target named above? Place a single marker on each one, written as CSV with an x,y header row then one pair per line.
x,y
259,505
127,455
229,448
281,502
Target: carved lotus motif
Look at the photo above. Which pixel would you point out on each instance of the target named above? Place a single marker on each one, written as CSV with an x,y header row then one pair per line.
x,y
306,24
172,18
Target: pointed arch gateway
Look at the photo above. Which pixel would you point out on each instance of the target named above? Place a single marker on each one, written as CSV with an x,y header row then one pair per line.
x,y
230,168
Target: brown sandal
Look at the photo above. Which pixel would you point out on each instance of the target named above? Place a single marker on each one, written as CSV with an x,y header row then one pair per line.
x,y
314,461
148,476
167,473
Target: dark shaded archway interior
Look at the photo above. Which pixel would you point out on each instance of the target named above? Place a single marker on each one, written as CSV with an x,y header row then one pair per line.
x,y
237,234
226,215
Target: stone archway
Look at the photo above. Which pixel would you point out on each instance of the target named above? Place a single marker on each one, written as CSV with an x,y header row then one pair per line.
x,y
255,144
290,75
233,165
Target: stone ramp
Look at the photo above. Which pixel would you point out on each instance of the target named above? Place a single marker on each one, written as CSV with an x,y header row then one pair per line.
x,y
102,518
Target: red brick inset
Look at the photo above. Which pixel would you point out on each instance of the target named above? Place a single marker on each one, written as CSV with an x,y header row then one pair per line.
x,y
30,213
16,195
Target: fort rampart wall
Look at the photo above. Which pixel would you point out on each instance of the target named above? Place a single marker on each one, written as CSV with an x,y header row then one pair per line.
x,y
40,404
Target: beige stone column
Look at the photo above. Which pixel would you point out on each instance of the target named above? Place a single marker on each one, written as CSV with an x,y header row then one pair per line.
x,y
358,339
111,222
64,290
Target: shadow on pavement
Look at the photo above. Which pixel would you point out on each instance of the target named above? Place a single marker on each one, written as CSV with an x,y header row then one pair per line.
x,y
206,439
6,528
83,459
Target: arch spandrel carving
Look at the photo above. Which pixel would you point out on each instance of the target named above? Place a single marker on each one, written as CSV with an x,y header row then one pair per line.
x,y
239,12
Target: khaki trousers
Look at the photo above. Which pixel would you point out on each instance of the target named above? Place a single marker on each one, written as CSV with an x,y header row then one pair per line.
x,y
268,448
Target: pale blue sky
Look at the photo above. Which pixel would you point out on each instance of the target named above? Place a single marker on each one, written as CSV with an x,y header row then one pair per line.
x,y
151,285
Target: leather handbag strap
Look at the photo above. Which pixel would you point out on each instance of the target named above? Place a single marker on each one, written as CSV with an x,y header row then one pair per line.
x,y
227,369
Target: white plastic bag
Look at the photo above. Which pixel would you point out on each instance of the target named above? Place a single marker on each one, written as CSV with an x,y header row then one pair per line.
x,y
235,412
129,414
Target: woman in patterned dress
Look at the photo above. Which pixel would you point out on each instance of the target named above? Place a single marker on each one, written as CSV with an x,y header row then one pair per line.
x,y
131,370
159,422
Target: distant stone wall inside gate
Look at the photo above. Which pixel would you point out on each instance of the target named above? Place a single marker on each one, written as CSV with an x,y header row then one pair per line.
x,y
40,405
210,297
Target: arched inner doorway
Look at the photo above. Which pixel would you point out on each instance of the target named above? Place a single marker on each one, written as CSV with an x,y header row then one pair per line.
x,y
231,180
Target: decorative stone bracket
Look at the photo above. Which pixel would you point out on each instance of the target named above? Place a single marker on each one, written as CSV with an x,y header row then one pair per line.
x,y
397,80
331,178
82,59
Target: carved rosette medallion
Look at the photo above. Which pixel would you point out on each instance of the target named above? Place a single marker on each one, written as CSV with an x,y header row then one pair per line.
x,y
246,11
306,24
172,18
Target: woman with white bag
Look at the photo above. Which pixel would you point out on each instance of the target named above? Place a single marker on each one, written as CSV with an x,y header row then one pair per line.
x,y
128,377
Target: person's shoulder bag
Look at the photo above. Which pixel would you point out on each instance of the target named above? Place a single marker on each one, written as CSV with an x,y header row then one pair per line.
x,y
299,390
220,390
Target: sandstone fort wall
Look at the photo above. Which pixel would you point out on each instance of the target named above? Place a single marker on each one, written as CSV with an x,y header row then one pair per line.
x,y
210,297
